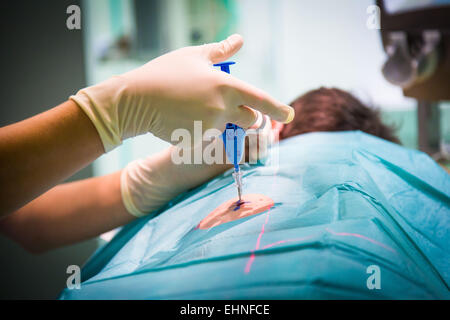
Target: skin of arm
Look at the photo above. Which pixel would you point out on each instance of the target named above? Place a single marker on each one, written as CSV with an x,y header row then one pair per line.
x,y
42,151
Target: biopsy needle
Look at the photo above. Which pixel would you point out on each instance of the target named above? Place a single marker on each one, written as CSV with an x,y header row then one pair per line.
x,y
234,139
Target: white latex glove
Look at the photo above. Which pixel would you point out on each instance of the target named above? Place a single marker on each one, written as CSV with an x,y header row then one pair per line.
x,y
148,184
172,91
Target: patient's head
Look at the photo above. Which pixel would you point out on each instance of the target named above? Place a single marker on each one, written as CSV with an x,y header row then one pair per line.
x,y
332,109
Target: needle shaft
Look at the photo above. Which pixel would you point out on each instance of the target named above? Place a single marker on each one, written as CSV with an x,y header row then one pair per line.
x,y
237,175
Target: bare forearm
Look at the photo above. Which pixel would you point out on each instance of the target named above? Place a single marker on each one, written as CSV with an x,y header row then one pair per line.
x,y
40,152
68,213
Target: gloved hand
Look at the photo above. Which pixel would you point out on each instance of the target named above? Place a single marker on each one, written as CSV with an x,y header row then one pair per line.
x,y
148,184
172,91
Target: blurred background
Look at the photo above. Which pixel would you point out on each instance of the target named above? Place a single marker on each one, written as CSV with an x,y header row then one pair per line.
x,y
291,46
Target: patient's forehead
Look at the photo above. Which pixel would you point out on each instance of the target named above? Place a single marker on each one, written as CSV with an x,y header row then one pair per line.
x,y
230,210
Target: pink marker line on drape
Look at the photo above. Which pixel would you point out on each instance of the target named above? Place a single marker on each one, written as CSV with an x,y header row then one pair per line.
x,y
258,242
285,241
343,234
357,235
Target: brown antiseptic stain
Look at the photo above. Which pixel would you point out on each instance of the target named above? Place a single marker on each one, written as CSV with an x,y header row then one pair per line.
x,y
230,210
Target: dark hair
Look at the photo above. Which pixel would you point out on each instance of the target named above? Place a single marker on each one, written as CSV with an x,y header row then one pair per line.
x,y
331,109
